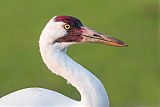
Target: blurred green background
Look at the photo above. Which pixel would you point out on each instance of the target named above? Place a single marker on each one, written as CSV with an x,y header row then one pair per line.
x,y
130,75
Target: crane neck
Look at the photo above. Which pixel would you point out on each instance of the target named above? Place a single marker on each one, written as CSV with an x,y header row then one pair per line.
x,y
92,91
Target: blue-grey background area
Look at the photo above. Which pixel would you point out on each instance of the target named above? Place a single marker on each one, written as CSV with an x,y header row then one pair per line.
x,y
130,75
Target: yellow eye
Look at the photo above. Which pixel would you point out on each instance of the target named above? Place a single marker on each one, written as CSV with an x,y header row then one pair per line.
x,y
67,26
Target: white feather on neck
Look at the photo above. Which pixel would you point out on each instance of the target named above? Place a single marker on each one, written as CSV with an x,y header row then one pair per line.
x,y
92,91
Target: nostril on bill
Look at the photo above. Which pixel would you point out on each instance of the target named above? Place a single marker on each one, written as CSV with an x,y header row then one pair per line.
x,y
96,35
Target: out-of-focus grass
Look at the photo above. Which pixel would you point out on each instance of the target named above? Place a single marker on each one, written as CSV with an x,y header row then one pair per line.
x,y
130,75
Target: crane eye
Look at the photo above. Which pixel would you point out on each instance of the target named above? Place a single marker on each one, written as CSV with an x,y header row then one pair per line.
x,y
67,26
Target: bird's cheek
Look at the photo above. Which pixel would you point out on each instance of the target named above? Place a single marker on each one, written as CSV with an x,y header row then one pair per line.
x,y
70,38
75,35
76,38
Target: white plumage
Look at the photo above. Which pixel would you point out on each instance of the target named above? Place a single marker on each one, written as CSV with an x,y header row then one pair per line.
x,y
54,55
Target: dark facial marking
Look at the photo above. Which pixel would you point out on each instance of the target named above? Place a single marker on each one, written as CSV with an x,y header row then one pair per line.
x,y
73,35
74,22
70,39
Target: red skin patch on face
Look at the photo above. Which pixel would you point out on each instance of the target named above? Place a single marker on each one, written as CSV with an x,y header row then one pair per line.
x,y
74,22
75,33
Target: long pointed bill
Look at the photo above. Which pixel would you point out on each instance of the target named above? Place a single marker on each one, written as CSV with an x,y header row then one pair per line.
x,y
93,36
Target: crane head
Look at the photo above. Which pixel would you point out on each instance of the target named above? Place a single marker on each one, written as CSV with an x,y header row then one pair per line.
x,y
68,29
